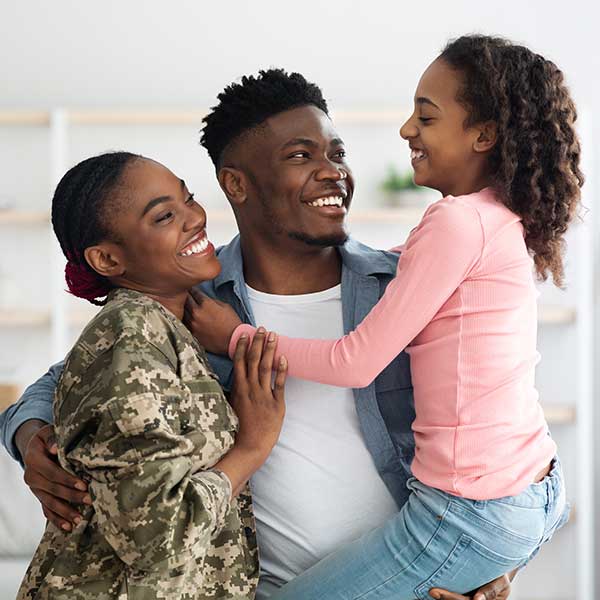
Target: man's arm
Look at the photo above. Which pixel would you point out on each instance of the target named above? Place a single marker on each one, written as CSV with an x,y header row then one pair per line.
x,y
35,404
28,437
499,589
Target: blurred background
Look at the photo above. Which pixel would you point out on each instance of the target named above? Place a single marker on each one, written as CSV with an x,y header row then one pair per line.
x,y
80,78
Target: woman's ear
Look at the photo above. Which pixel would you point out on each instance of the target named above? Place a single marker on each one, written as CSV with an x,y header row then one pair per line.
x,y
488,135
233,182
106,259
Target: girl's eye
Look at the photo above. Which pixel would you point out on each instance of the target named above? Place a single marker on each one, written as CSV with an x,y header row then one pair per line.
x,y
425,119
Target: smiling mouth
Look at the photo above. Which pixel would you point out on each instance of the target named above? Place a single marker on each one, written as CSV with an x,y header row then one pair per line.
x,y
197,245
327,201
417,155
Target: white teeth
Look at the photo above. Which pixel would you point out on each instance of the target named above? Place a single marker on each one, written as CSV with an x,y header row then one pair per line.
x,y
416,154
328,201
196,247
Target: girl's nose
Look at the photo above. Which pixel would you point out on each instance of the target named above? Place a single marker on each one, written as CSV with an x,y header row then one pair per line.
x,y
408,130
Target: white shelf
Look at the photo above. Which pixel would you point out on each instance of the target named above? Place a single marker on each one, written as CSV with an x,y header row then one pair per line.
x,y
176,116
22,217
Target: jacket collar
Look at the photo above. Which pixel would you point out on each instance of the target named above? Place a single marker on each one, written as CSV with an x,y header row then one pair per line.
x,y
356,257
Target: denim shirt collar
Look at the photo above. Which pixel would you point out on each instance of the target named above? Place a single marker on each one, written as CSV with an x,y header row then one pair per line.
x,y
356,257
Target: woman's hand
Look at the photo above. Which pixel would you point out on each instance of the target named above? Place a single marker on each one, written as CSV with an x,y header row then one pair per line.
x,y
259,404
211,321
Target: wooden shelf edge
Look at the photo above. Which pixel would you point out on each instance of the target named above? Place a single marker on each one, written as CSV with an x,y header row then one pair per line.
x,y
19,217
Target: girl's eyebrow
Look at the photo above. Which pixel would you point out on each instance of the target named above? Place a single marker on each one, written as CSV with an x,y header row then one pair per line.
x,y
425,100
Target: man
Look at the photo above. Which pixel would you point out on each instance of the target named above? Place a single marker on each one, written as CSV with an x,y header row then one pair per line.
x,y
342,461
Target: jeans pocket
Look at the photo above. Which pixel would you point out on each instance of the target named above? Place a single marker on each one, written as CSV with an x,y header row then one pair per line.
x,y
468,566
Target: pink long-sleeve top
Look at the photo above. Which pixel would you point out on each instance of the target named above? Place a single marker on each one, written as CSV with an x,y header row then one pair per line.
x,y
463,304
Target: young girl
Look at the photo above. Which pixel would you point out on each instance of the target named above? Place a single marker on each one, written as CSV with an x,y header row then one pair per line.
x,y
493,131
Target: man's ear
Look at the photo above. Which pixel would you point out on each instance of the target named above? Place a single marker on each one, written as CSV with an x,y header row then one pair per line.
x,y
106,258
488,135
234,183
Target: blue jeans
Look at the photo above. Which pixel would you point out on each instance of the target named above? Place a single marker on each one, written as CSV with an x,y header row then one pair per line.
x,y
438,540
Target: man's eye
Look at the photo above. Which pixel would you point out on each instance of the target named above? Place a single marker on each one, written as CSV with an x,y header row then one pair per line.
x,y
302,154
340,154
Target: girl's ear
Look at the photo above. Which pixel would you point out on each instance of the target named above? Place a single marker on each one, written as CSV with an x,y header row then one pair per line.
x,y
233,182
106,258
488,135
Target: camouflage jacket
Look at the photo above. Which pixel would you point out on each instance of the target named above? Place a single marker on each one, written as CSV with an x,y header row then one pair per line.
x,y
140,416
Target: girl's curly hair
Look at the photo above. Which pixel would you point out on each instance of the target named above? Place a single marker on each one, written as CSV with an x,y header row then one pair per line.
x,y
535,162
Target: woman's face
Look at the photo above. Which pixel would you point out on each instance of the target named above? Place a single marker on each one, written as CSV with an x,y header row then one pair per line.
x,y
160,228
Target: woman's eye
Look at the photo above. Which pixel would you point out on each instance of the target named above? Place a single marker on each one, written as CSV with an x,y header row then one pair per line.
x,y
164,217
425,119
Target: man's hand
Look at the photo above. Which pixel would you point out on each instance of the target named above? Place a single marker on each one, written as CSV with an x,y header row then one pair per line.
x,y
211,321
499,589
56,489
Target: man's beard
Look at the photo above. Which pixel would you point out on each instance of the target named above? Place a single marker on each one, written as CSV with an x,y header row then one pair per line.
x,y
326,241
321,242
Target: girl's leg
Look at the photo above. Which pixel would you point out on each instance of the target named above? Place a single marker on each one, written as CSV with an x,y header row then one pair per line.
x,y
436,540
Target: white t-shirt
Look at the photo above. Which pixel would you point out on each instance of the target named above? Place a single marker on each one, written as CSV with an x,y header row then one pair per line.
x,y
319,488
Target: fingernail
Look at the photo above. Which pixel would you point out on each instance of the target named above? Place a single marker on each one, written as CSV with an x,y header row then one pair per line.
x,y
77,520
87,499
435,595
271,337
283,361
244,336
260,330
81,486
66,526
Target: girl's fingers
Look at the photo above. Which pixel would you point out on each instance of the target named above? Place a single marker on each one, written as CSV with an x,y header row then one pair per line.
x,y
280,377
254,355
265,369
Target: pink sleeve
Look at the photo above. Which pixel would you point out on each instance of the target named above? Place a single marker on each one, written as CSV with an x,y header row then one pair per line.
x,y
438,255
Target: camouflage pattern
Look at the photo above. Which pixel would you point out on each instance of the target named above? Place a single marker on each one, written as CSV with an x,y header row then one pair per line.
x,y
140,416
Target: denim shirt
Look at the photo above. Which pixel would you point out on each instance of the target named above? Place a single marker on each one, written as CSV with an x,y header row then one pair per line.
x,y
385,408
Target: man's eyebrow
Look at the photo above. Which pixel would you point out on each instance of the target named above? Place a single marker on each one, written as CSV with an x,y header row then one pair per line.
x,y
299,142
425,100
337,142
160,199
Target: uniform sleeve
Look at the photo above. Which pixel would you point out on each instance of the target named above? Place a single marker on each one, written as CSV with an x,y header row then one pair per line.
x,y
35,403
438,255
156,504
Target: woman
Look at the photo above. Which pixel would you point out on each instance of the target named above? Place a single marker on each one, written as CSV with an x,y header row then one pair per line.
x,y
138,413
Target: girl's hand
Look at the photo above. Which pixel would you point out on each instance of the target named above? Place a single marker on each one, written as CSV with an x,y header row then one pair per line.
x,y
211,321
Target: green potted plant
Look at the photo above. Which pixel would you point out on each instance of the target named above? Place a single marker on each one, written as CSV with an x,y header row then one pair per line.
x,y
399,189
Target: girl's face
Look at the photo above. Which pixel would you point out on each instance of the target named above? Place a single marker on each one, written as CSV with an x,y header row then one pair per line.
x,y
162,246
445,155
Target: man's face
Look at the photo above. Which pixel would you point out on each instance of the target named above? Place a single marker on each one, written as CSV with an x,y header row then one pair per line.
x,y
300,186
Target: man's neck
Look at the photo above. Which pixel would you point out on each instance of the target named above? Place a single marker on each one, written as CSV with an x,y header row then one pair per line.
x,y
302,269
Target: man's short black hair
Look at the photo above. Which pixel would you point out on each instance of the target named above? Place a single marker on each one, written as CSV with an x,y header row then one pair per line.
x,y
243,106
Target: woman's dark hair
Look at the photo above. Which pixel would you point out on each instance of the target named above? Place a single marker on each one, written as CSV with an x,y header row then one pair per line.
x,y
243,106
535,162
80,218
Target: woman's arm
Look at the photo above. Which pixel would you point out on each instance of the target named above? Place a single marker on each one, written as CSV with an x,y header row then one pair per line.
x,y
439,254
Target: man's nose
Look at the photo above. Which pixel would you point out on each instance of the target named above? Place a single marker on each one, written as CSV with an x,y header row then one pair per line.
x,y
331,170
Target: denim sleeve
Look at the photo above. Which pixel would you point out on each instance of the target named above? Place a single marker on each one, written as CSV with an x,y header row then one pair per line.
x,y
223,367
35,403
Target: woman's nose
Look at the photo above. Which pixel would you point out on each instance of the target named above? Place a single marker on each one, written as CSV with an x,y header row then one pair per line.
x,y
195,217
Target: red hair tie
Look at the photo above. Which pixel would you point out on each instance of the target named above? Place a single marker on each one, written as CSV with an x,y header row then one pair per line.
x,y
85,283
